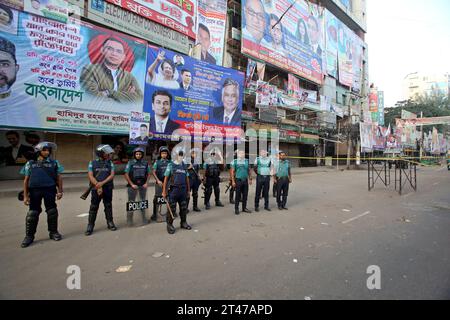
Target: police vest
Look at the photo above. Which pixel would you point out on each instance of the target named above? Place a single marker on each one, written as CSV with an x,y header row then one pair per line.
x,y
102,170
262,165
43,174
161,166
179,174
212,170
139,172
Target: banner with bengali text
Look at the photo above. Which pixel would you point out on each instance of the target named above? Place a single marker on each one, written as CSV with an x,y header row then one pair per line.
x,y
187,97
70,76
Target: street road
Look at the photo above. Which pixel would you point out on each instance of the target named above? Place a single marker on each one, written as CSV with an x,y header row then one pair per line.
x,y
319,249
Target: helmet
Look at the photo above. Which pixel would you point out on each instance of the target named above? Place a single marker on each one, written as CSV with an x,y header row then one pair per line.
x,y
163,149
103,149
139,149
45,144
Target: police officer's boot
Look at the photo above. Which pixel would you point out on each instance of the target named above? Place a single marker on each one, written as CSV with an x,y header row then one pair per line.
x,y
219,204
195,204
169,220
31,223
52,221
184,224
109,217
208,194
155,208
91,220
129,218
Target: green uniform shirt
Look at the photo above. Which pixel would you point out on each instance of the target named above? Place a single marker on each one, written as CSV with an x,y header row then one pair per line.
x,y
240,168
283,168
263,164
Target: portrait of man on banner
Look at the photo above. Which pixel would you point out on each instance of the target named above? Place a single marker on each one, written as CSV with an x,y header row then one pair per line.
x,y
228,113
109,74
161,105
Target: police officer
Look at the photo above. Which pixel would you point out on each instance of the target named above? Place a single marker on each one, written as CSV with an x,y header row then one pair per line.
x,y
240,174
282,179
176,185
137,173
263,169
42,179
212,167
159,168
194,179
101,176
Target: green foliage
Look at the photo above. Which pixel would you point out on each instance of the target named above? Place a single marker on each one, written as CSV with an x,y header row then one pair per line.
x,y
434,106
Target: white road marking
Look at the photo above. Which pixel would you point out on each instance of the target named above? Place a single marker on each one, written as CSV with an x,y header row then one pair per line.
x,y
357,217
82,215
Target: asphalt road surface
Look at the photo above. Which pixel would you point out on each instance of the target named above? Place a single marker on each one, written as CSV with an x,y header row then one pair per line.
x,y
320,248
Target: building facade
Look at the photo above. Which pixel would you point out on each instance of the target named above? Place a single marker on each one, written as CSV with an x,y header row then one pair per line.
x,y
425,84
318,75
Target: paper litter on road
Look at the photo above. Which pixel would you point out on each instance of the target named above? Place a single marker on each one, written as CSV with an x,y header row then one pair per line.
x,y
82,215
307,298
295,261
122,269
157,254
346,210
324,224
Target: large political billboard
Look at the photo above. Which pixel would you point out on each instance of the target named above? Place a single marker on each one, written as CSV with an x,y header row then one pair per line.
x,y
185,96
178,15
69,76
123,20
211,22
294,43
331,33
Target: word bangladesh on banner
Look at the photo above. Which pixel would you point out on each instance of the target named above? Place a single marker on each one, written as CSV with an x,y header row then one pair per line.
x,y
70,76
294,43
186,97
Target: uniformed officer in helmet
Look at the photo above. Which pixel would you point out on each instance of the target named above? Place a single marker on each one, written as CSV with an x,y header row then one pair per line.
x,y
282,179
42,181
213,166
101,176
137,173
241,177
176,186
194,178
159,168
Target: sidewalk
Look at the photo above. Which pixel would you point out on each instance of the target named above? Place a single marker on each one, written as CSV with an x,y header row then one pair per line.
x,y
79,182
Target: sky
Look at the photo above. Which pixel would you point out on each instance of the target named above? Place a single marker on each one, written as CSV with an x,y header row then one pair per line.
x,y
406,36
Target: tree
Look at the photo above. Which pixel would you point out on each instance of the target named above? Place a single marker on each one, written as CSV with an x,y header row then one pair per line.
x,y
430,106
